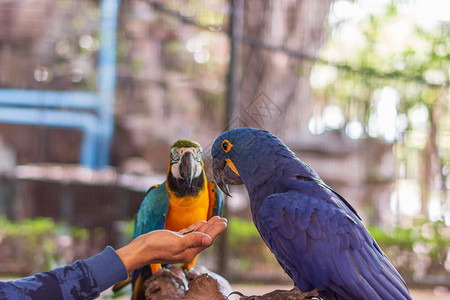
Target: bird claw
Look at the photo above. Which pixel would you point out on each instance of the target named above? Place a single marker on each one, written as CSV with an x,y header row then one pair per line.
x,y
293,294
191,274
313,295
163,272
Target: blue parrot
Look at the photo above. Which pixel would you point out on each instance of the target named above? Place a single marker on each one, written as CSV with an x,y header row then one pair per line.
x,y
315,234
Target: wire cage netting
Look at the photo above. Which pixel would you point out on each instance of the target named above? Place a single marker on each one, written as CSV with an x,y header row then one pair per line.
x,y
359,90
52,45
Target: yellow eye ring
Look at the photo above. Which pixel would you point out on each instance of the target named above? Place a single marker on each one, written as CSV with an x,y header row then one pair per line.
x,y
226,146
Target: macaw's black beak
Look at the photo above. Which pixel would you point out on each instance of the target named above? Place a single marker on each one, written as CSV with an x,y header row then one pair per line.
x,y
187,167
224,175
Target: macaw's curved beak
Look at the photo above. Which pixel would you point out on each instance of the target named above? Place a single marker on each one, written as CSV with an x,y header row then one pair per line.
x,y
188,167
224,175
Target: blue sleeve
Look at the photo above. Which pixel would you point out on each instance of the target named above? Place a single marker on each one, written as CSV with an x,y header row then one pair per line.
x,y
80,280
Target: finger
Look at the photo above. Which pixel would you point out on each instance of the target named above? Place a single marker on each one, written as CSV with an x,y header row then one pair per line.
x,y
193,227
214,218
207,232
201,225
197,239
211,222
216,228
213,227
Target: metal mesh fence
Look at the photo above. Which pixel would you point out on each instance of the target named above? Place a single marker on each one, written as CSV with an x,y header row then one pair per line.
x,y
191,69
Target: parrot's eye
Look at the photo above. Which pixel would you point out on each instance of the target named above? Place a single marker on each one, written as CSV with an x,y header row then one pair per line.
x,y
198,156
226,146
174,156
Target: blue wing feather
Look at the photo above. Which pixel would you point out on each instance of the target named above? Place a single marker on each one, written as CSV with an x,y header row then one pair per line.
x,y
325,246
153,210
151,216
216,199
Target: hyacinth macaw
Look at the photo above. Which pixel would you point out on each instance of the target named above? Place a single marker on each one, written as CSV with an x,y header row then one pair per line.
x,y
315,234
185,198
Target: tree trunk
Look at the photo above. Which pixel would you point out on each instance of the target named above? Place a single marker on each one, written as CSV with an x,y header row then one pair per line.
x,y
432,177
275,79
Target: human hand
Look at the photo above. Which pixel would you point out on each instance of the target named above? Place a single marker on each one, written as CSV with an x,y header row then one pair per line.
x,y
165,246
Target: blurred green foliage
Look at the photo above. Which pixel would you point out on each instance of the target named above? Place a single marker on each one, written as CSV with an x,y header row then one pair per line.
x,y
241,230
34,245
391,49
127,229
422,249
415,251
247,248
401,237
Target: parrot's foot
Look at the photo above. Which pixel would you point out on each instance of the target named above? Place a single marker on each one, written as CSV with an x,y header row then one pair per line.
x,y
313,295
191,274
165,283
174,274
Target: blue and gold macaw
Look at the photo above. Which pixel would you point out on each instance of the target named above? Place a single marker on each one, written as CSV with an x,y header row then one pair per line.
x,y
315,234
185,198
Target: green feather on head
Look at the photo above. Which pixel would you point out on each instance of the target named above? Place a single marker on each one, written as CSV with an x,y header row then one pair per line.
x,y
185,144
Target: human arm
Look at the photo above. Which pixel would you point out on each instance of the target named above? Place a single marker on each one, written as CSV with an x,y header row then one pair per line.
x,y
86,279
74,281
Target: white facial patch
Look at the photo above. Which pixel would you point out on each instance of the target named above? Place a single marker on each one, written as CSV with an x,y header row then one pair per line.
x,y
175,160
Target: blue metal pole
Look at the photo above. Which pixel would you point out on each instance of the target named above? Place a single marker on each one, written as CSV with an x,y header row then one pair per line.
x,y
57,99
85,122
106,80
97,136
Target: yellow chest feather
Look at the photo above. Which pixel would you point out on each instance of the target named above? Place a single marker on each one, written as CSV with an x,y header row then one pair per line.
x,y
185,211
